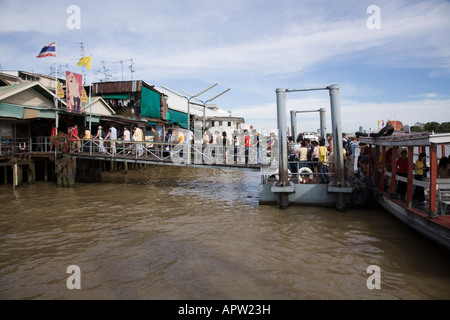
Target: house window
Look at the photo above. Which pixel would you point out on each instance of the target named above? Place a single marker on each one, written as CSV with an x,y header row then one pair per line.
x,y
220,123
229,123
212,123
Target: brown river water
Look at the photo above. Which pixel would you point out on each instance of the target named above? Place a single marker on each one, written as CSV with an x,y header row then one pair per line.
x,y
199,234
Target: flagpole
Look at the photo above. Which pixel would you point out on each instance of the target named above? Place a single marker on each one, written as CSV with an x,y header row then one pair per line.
x,y
56,85
90,90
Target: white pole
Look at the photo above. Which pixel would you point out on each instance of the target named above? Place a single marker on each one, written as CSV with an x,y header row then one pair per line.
x,y
90,90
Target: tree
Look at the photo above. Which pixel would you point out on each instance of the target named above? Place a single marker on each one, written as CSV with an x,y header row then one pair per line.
x,y
444,127
418,127
431,126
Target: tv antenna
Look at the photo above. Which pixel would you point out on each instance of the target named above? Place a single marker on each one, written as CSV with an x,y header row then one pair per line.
x,y
130,67
104,72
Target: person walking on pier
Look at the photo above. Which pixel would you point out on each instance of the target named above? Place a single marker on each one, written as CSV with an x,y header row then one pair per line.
x,y
112,135
246,145
87,138
156,141
126,138
139,136
224,145
75,138
53,137
100,136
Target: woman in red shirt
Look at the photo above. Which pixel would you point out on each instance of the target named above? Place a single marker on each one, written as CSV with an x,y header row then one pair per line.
x,y
402,170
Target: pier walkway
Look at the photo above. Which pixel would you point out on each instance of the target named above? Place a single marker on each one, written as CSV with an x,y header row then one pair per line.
x,y
142,152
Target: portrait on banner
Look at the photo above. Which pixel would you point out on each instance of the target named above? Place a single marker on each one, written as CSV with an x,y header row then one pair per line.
x,y
73,91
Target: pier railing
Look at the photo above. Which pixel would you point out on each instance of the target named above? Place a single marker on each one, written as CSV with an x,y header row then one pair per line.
x,y
209,154
9,147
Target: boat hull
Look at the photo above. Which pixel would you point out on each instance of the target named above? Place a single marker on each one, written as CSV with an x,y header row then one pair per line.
x,y
418,220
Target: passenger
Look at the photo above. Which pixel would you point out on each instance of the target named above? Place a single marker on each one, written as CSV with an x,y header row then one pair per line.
x,y
291,155
330,149
444,168
344,151
402,171
87,137
139,137
351,157
315,156
323,170
76,136
419,170
100,136
236,144
112,135
246,145
310,149
302,155
169,140
205,139
273,147
388,159
156,140
224,145
126,137
255,144
180,139
53,137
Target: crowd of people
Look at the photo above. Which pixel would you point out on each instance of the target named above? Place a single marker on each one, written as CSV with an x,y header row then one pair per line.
x,y
317,154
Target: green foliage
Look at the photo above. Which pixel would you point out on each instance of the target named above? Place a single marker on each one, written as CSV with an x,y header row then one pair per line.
x,y
431,126
62,143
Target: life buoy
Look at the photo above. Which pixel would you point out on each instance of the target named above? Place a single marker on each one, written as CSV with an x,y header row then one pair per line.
x,y
305,175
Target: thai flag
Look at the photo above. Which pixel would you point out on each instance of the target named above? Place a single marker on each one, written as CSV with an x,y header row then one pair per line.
x,y
48,51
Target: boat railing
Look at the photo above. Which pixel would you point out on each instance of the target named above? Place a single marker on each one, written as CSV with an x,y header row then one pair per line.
x,y
384,175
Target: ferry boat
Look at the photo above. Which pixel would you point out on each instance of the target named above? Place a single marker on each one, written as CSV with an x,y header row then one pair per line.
x,y
431,215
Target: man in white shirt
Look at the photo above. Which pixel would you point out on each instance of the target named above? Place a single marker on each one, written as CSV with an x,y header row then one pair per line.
x,y
112,135
126,137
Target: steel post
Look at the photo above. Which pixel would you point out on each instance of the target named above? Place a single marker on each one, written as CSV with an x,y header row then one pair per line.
x,y
337,143
283,165
294,124
323,123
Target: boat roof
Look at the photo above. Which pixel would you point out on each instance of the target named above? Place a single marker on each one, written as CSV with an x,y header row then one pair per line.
x,y
412,139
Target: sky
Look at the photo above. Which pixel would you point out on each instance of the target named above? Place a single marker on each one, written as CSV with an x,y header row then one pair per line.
x,y
391,59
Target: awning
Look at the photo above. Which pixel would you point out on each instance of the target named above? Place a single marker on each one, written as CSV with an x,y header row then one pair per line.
x,y
177,117
121,96
23,112
11,111
150,103
94,119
